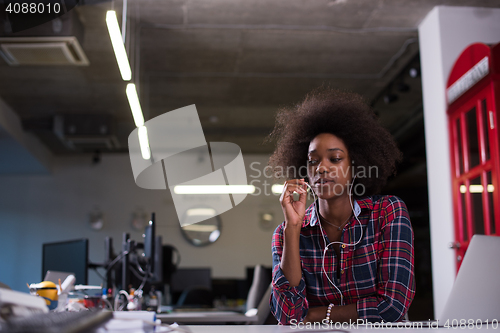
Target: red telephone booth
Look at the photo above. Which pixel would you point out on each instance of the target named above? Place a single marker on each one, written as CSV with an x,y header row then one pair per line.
x,y
473,96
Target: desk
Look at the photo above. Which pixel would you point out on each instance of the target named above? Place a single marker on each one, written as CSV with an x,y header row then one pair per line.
x,y
193,317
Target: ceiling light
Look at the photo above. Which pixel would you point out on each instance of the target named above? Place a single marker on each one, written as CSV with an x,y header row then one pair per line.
x,y
135,106
200,228
414,72
118,47
214,189
390,98
144,142
277,188
201,212
267,217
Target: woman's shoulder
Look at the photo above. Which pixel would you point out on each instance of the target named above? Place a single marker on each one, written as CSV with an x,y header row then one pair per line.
x,y
390,209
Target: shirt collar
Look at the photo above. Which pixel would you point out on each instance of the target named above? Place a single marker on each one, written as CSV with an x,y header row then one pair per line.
x,y
311,219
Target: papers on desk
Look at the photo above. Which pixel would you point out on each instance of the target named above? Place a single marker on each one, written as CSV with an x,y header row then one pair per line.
x,y
128,325
212,317
139,326
138,322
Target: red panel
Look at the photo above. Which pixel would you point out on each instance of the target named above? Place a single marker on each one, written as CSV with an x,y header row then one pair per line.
x,y
487,89
469,57
495,148
482,147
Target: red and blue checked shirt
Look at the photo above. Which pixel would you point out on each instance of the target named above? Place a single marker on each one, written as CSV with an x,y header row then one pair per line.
x,y
376,274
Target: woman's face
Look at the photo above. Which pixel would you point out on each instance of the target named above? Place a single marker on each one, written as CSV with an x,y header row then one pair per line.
x,y
328,166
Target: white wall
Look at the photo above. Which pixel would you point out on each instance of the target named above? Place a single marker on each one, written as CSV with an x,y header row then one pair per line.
x,y
44,208
443,35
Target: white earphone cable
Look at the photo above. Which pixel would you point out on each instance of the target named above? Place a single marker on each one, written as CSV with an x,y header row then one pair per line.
x,y
335,242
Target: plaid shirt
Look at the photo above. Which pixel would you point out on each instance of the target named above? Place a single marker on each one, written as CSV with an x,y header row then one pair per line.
x,y
376,274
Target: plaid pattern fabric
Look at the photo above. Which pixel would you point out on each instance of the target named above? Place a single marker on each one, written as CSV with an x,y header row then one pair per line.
x,y
377,273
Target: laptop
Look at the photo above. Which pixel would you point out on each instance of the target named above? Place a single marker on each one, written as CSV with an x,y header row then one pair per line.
x,y
55,276
475,295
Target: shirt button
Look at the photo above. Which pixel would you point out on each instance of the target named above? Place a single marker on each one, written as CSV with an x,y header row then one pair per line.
x,y
342,272
343,246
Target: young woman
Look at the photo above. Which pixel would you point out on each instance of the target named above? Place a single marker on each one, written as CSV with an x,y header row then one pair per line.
x,y
349,255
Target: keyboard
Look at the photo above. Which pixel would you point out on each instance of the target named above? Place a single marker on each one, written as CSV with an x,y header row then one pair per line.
x,y
61,322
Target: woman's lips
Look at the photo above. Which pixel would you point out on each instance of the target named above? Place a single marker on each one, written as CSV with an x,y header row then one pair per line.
x,y
323,182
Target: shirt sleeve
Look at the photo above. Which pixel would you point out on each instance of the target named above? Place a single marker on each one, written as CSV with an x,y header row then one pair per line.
x,y
287,303
396,286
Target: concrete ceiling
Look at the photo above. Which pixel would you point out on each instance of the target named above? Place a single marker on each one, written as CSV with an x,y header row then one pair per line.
x,y
238,61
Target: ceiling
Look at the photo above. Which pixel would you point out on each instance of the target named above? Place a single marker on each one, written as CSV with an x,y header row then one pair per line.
x,y
237,60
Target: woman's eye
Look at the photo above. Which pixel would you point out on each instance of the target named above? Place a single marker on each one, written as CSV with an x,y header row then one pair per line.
x,y
311,162
335,160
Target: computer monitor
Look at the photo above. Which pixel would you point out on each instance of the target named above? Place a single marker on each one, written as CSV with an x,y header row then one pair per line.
x,y
185,278
68,256
149,257
153,251
149,242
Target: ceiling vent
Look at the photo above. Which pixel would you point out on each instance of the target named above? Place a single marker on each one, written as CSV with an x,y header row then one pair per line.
x,y
45,51
86,131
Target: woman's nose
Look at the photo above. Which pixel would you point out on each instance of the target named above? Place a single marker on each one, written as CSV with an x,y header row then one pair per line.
x,y
322,168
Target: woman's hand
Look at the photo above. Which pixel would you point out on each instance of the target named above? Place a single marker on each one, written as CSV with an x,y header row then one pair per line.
x,y
294,211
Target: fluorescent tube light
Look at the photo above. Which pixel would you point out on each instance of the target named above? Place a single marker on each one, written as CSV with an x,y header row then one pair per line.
x,y
200,228
277,188
214,189
135,105
201,212
118,46
144,142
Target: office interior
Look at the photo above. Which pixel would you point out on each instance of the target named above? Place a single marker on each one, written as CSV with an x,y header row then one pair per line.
x,y
238,62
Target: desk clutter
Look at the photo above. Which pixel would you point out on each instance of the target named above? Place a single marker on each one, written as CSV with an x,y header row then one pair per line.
x,y
50,307
143,275
56,322
25,313
141,283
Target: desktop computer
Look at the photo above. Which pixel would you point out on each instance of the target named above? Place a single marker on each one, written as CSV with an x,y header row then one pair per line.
x,y
67,256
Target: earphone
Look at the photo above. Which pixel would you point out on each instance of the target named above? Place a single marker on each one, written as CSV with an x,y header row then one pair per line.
x,y
335,242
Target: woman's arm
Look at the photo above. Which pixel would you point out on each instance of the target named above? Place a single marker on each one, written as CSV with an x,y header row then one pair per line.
x,y
288,303
294,212
288,299
395,279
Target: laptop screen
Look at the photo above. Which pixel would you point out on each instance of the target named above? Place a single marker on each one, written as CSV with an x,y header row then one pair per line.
x,y
475,294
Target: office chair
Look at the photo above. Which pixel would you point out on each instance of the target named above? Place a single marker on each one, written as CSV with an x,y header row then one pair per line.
x,y
264,309
257,289
258,297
